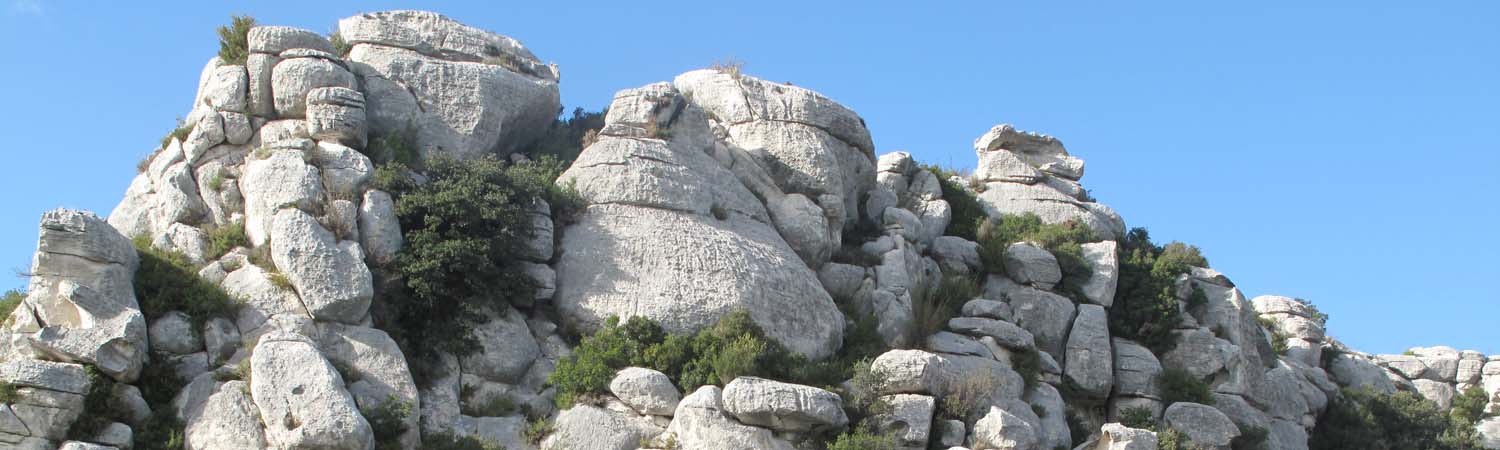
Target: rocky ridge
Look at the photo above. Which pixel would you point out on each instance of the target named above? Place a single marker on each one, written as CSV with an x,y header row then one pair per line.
x,y
711,193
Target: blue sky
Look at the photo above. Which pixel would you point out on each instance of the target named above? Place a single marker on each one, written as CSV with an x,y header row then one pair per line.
x,y
1345,152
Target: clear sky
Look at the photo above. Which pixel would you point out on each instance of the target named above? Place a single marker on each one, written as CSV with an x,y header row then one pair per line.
x,y
1344,152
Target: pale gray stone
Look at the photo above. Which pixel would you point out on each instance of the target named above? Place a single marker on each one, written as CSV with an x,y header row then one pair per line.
x,y
804,227
1026,263
337,114
220,339
1002,430
1100,287
1202,424
701,423
293,79
332,280
992,309
378,370
173,333
1005,334
1135,369
783,406
260,298
1113,436
345,170
379,231
436,35
1041,151
301,398
909,419
1089,366
277,39
1357,371
645,390
228,420
1046,315
283,178
507,348
1052,431
1438,392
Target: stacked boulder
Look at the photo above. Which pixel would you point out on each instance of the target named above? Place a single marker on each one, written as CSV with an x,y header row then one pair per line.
x,y
1025,172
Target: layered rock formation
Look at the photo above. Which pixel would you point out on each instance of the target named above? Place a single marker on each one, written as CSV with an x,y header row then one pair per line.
x,y
712,193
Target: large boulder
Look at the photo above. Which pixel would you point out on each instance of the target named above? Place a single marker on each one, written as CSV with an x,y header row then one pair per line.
x,y
228,420
283,178
506,348
701,423
464,91
1114,436
1202,424
589,427
292,80
1002,430
646,391
1029,264
1088,366
1104,276
301,399
783,406
1358,371
1135,369
1046,315
165,193
1052,430
909,419
807,142
376,368
330,276
672,236
80,305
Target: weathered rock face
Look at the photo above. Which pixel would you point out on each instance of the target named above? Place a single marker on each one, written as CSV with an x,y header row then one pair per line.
x,y
301,399
645,390
1089,365
1027,172
701,423
783,406
463,90
330,276
1002,430
1202,424
671,235
81,306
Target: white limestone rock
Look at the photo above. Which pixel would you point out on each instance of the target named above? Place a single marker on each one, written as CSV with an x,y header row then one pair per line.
x,y
377,370
337,114
331,278
1100,287
292,80
507,348
228,420
1002,430
379,232
1089,367
645,390
783,406
1135,369
277,39
1202,424
283,178
1029,264
909,419
701,423
301,398
173,333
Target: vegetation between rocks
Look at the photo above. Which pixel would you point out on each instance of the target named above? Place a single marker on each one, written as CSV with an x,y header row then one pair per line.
x,y
466,228
234,40
97,402
1146,308
968,213
1366,419
1064,240
388,422
166,282
1178,385
933,306
8,303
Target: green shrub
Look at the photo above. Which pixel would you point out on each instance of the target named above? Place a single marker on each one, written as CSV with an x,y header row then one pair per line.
x,y
1366,419
1171,439
222,239
340,46
968,396
1468,406
396,147
565,138
97,402
159,385
180,133
491,406
1138,417
388,422
8,303
730,348
466,228
536,430
445,440
1064,240
931,307
166,281
1178,385
862,438
1027,363
1278,339
1250,438
234,40
968,213
8,392
1146,308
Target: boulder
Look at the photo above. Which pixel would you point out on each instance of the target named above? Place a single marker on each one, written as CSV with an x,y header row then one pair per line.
x,y
540,247
80,304
438,36
261,298
1408,366
1357,371
909,419
1046,315
1002,430
1029,264
1438,392
292,80
1202,424
956,254
460,108
989,381
277,39
173,333
228,420
1198,352
701,423
802,225
672,236
301,399
191,242
1006,334
226,89
1100,287
337,114
1135,369
1043,152
1052,430
282,178
783,406
991,309
1089,367
237,128
376,367
1113,436
1286,435
220,339
588,427
646,391
379,232
1005,166
506,348
1051,205
330,277
345,170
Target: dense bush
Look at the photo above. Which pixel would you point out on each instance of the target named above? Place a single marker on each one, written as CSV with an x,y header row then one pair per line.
x,y
97,402
731,348
166,281
396,146
222,239
968,213
159,385
1146,308
234,40
8,303
180,133
1063,240
340,46
1366,419
567,137
1171,439
388,422
445,440
862,438
1138,417
466,228
1178,385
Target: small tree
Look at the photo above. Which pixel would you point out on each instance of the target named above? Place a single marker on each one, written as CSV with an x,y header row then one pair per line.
x,y
234,40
